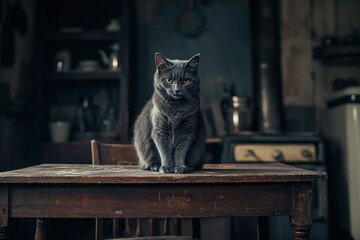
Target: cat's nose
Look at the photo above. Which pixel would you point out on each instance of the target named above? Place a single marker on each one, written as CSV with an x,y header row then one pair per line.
x,y
177,90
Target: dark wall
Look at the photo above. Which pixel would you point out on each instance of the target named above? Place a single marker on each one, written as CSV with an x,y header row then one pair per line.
x,y
224,45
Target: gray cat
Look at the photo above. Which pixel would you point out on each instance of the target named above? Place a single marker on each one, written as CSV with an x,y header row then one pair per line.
x,y
170,132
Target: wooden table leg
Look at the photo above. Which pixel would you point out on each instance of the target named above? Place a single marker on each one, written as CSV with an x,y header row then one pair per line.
x,y
99,231
301,210
196,226
4,213
40,233
263,228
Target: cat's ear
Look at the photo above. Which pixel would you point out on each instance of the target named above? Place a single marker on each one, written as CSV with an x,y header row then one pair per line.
x,y
161,62
193,63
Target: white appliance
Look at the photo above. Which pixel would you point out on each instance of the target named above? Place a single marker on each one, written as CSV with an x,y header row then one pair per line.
x,y
343,133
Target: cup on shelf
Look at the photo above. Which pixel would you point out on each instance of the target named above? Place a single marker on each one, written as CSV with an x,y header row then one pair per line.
x,y
114,25
59,131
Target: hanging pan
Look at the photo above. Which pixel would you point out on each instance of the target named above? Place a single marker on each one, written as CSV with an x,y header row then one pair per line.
x,y
191,22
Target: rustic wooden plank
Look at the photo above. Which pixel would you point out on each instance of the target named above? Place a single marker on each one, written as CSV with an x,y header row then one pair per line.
x,y
152,201
121,174
4,206
4,212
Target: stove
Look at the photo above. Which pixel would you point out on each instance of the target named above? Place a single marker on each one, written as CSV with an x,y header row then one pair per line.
x,y
302,148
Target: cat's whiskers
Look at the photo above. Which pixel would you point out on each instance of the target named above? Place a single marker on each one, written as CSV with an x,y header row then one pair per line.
x,y
191,98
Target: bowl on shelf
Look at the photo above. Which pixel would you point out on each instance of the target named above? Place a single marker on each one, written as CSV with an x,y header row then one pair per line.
x,y
88,66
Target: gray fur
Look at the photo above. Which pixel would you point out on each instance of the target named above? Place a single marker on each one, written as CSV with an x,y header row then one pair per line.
x,y
170,132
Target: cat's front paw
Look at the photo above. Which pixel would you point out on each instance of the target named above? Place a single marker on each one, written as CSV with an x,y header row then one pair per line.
x,y
154,167
166,169
151,167
181,169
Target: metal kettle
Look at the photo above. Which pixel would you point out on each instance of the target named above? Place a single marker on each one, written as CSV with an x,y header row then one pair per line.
x,y
112,60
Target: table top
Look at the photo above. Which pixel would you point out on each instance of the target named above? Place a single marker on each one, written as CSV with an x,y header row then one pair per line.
x,y
125,174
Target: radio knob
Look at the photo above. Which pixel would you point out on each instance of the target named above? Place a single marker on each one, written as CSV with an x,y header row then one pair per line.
x,y
278,155
306,153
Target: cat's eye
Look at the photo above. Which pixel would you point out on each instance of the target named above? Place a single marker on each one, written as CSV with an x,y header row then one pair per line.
x,y
168,80
186,81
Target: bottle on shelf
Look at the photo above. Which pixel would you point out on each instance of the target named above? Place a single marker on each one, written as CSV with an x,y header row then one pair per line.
x,y
108,127
85,126
108,124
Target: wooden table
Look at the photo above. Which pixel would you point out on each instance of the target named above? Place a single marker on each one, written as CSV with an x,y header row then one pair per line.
x,y
108,191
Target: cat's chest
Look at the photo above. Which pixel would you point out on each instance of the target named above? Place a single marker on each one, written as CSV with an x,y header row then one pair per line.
x,y
173,118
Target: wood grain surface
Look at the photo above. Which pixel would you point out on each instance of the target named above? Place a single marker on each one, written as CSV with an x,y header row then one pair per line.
x,y
151,201
119,174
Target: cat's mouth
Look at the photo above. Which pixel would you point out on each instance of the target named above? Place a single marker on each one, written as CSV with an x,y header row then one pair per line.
x,y
177,96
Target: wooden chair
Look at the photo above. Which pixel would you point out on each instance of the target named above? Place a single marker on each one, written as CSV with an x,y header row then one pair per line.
x,y
125,154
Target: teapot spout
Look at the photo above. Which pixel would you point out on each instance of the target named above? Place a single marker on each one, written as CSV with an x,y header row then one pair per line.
x,y
104,57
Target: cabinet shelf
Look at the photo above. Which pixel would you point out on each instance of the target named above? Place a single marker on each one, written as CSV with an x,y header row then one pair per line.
x,y
338,55
102,75
84,36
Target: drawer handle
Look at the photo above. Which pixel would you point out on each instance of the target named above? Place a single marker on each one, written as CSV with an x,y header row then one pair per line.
x,y
306,153
251,153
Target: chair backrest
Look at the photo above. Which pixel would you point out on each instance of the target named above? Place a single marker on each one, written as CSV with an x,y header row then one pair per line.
x,y
113,153
125,154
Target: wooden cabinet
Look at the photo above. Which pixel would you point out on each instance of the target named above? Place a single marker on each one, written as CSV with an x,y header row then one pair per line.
x,y
82,50
338,55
